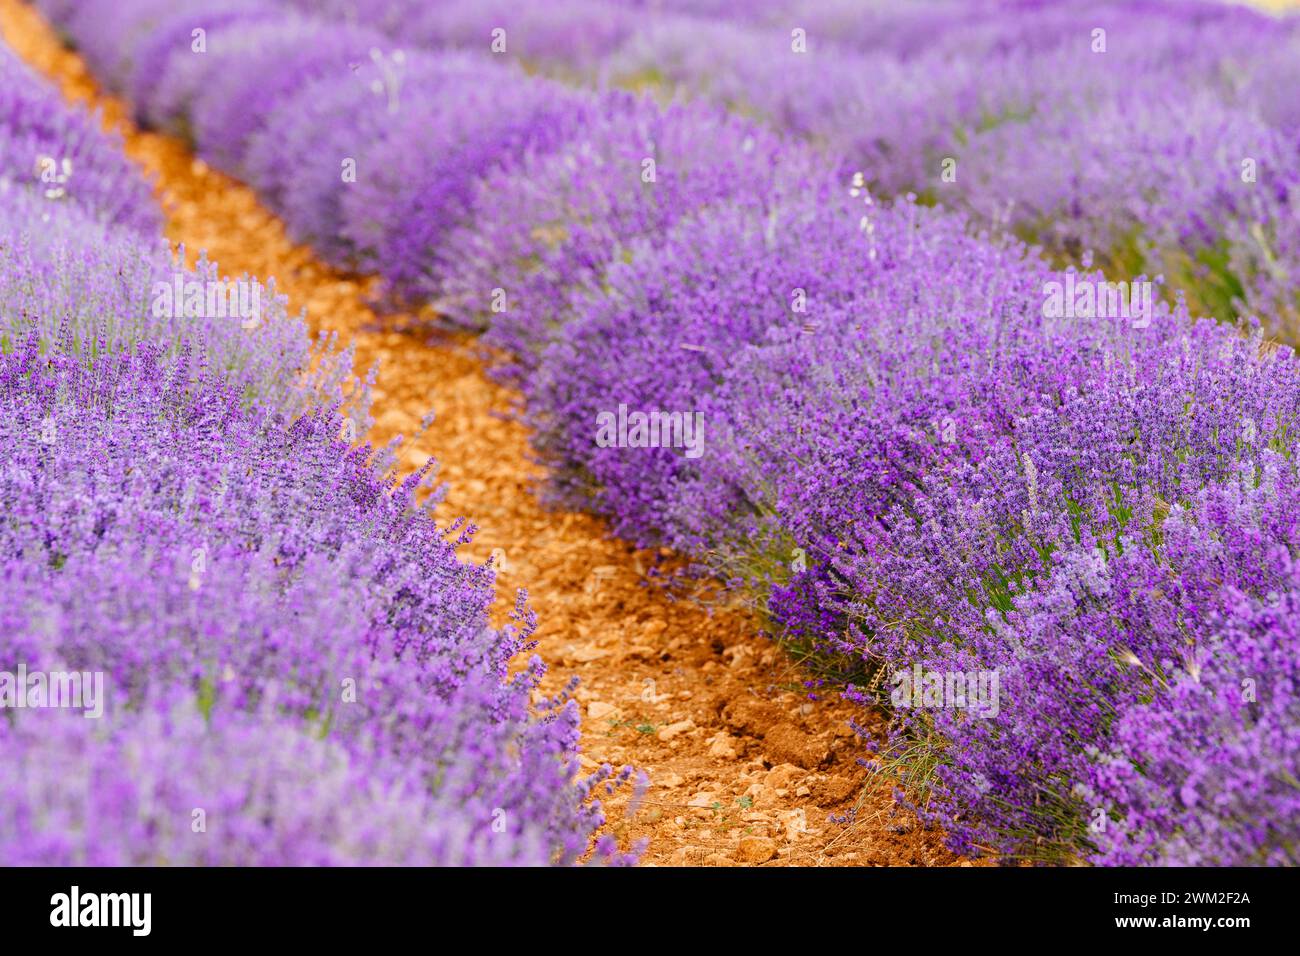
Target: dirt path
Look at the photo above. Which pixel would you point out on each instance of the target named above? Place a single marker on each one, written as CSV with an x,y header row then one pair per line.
x,y
743,769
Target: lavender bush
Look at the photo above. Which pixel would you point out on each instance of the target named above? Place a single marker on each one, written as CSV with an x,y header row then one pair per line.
x,y
556,223
297,161
147,540
911,458
421,172
172,785
296,667
1019,113
63,156
1079,490
570,35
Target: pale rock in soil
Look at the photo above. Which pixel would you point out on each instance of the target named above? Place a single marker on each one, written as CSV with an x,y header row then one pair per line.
x,y
672,730
763,797
722,745
739,655
686,855
582,655
782,775
756,849
795,823
598,710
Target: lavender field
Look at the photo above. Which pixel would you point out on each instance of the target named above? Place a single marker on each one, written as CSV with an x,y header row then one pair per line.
x,y
946,348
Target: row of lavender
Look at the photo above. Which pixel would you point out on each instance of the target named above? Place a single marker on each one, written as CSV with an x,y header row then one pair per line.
x,y
1161,135
895,433
227,637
